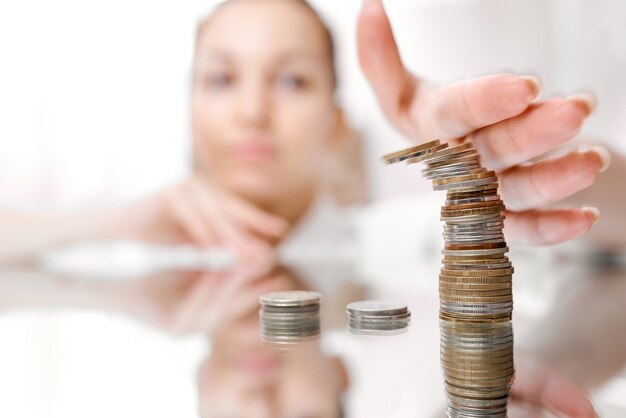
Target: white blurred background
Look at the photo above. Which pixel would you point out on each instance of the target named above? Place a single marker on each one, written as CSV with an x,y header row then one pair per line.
x,y
93,110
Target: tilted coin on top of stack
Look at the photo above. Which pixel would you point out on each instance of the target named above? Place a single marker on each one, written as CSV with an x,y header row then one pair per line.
x,y
289,317
475,284
374,317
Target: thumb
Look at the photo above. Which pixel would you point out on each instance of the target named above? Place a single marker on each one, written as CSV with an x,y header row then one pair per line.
x,y
380,60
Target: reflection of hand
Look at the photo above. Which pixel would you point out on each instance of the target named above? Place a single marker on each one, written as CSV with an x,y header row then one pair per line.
x,y
496,114
195,302
538,387
194,212
541,392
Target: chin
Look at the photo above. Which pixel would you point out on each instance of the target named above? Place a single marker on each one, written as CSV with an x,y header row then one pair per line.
x,y
254,188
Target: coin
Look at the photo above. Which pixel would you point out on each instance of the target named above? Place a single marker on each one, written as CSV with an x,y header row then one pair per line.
x,y
377,315
290,317
422,155
404,154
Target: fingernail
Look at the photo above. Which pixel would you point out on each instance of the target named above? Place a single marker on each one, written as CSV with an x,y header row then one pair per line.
x,y
593,212
603,153
535,85
587,100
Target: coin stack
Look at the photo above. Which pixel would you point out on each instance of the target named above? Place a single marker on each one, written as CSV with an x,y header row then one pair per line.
x,y
475,284
374,317
289,317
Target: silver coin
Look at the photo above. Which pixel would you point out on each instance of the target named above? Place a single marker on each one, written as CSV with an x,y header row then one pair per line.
x,y
290,298
466,253
376,307
477,199
465,184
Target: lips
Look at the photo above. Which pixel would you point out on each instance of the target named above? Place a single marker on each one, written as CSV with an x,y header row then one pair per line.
x,y
254,151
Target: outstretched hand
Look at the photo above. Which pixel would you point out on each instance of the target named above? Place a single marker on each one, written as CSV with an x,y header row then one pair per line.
x,y
509,128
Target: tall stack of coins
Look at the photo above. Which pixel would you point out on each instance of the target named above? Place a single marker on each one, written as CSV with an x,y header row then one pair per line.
x,y
475,284
374,317
289,317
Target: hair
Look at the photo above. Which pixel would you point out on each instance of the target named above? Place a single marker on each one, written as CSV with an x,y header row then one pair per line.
x,y
328,36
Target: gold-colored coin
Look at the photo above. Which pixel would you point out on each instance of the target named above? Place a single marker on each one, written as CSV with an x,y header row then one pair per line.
x,y
452,280
495,259
474,205
478,273
480,383
423,156
487,258
473,287
472,211
394,156
467,161
505,317
470,177
476,393
475,246
452,150
473,293
478,372
489,300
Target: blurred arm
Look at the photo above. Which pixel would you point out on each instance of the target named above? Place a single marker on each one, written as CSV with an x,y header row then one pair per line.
x,y
21,288
24,236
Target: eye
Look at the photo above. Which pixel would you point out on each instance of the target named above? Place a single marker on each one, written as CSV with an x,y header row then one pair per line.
x,y
218,80
291,82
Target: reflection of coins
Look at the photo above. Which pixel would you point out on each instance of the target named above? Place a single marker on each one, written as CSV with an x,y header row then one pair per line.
x,y
376,308
289,317
375,315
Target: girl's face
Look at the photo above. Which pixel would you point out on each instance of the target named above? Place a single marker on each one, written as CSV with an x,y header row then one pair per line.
x,y
262,109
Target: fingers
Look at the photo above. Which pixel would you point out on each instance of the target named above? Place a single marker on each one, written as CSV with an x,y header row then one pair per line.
x,y
461,108
542,386
380,60
198,299
538,130
418,110
210,218
229,230
550,226
552,179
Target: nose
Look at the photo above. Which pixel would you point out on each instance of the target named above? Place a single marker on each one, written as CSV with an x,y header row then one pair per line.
x,y
253,104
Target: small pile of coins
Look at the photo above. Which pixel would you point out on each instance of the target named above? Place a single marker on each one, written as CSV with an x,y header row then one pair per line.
x,y
373,317
475,284
289,317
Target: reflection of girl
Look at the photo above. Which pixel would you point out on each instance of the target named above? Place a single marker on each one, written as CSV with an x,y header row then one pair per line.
x,y
244,378
263,115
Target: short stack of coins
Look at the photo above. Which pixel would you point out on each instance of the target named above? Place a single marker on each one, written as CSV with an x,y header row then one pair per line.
x,y
475,284
375,317
289,317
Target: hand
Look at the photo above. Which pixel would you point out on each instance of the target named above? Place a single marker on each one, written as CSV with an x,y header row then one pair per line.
x,y
194,212
498,114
